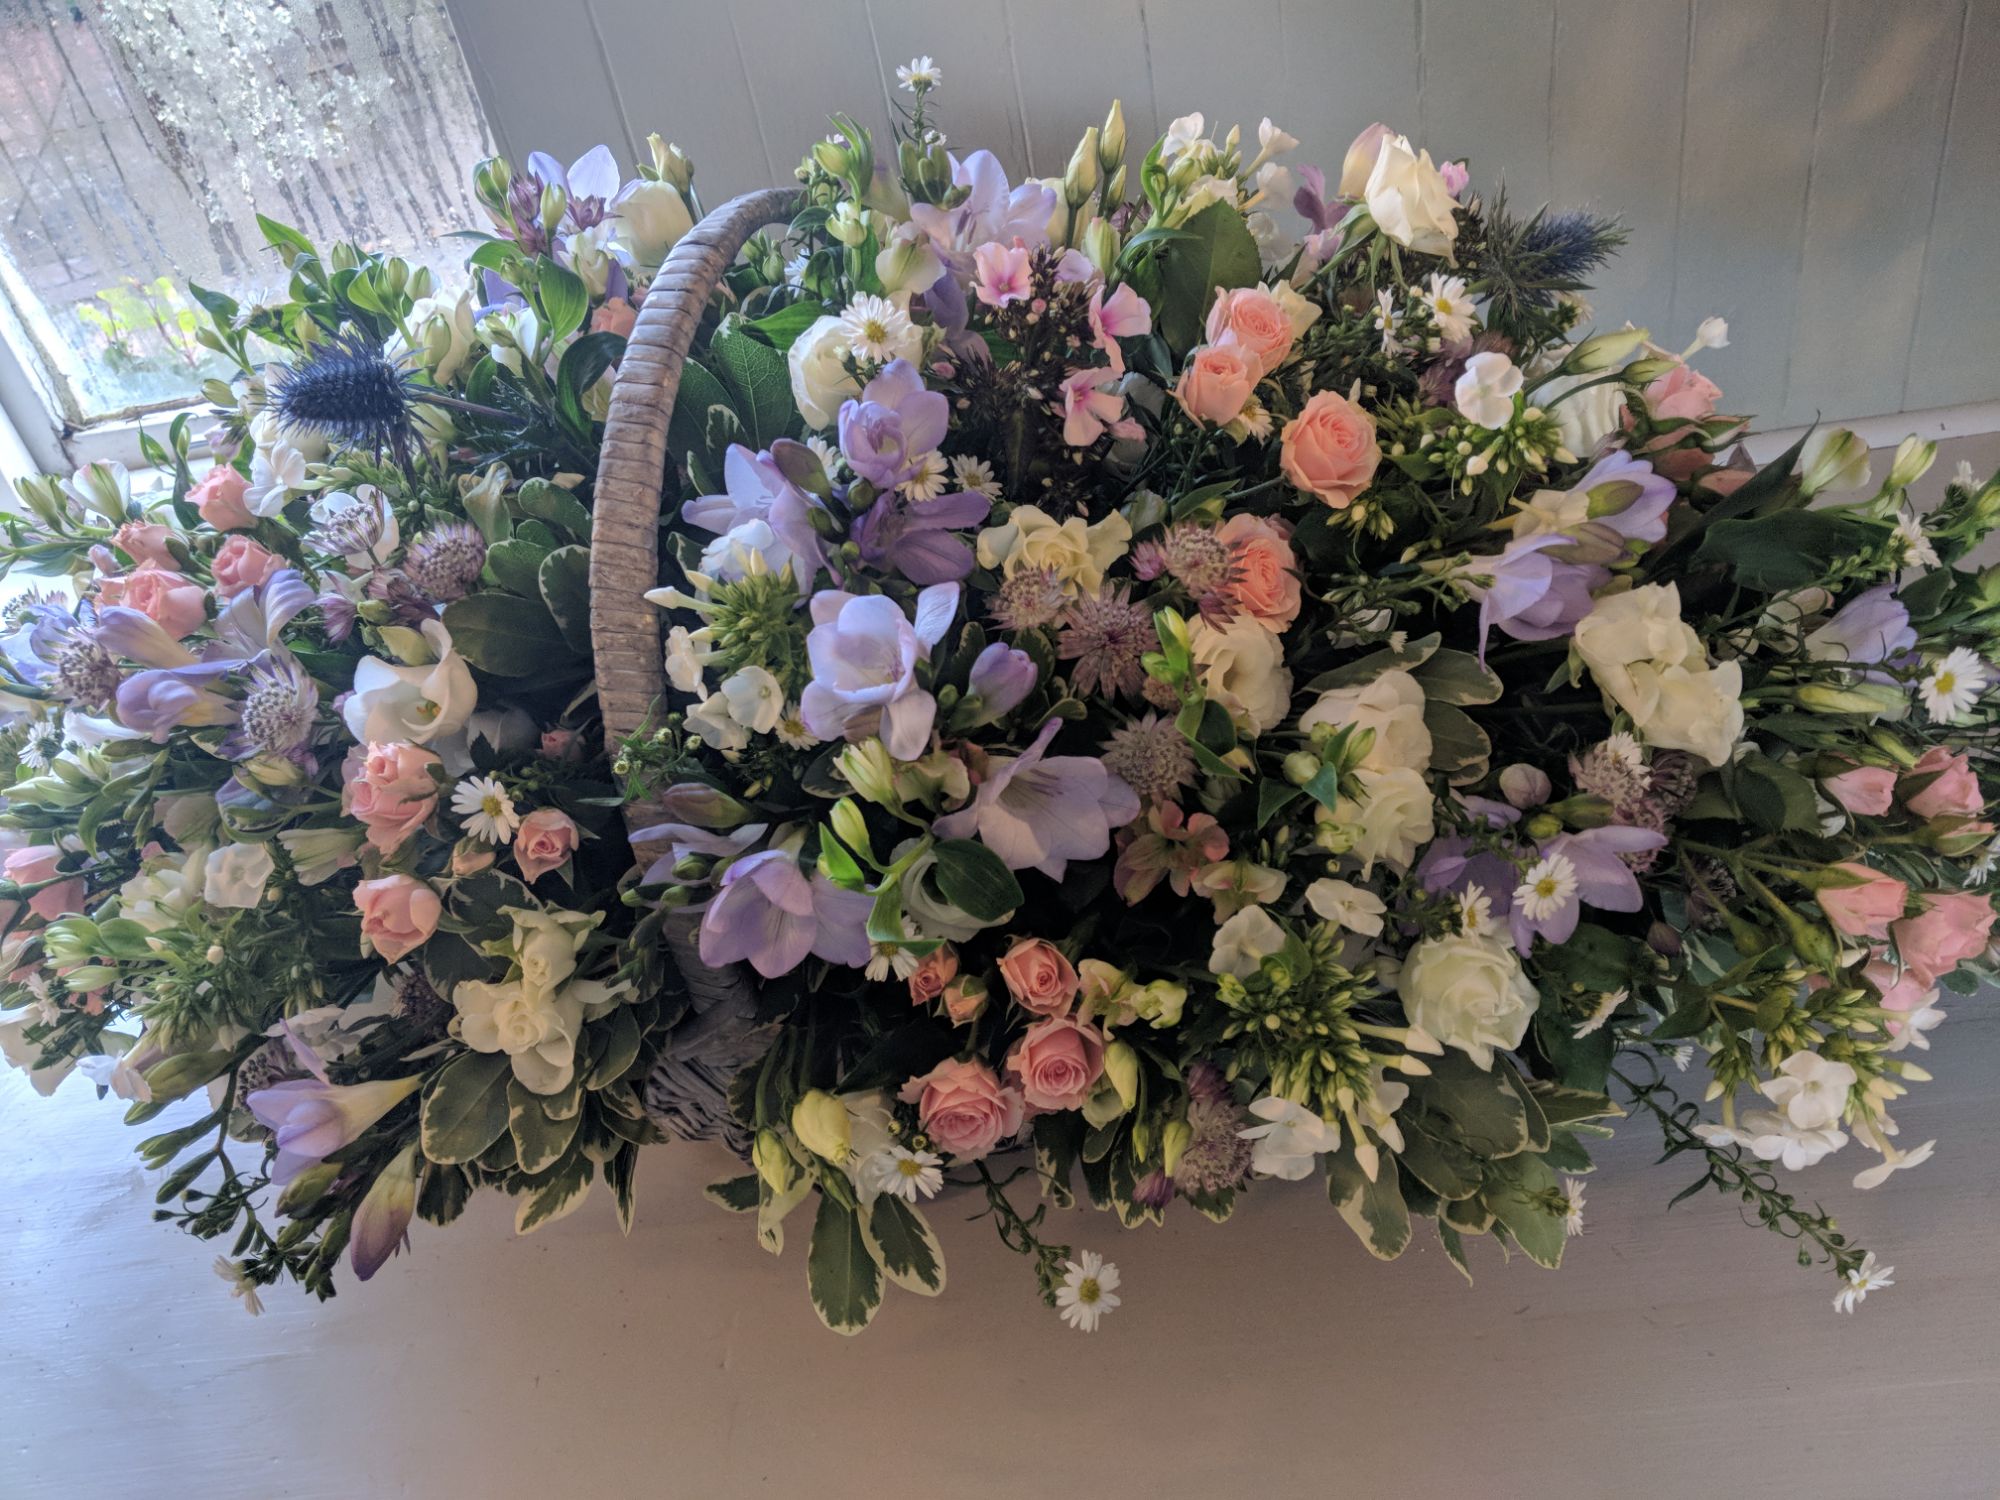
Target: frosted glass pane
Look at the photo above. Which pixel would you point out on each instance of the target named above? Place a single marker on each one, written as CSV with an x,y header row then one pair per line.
x,y
139,140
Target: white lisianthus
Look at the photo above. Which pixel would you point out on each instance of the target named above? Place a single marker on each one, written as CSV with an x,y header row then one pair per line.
x,y
236,875
1077,553
650,217
1653,665
1395,818
413,704
820,377
1393,706
1583,420
1408,198
755,699
1243,668
1290,1141
1347,905
1469,993
536,1028
1244,942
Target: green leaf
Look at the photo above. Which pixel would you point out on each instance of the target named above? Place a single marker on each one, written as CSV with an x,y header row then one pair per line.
x,y
782,328
688,433
506,636
465,1107
841,1274
774,1207
1375,1211
564,298
1459,747
759,384
555,505
539,1141
737,1194
1409,657
1440,1164
1454,1248
1788,550
1774,797
622,1037
1273,797
901,1241
621,1174
287,241
972,878
1561,1106
1456,677
1518,1206
516,565
1218,251
565,589
1538,1125
1490,1118
558,1193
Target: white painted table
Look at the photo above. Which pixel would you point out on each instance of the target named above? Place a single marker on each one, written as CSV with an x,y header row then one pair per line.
x,y
1677,1354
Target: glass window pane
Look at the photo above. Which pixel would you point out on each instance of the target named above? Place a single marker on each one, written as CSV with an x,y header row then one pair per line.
x,y
139,141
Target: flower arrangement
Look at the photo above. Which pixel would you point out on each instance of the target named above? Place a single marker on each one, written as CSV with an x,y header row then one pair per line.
x,y
1194,702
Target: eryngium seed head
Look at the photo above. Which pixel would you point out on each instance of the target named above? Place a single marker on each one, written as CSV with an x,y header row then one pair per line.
x,y
348,390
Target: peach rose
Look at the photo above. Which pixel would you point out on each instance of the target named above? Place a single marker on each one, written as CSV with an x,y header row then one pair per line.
x,y
1867,907
241,564
1264,583
1217,383
1328,449
1254,321
964,999
1951,927
616,316
1057,1062
1900,991
398,915
938,969
1865,789
1951,790
545,839
219,498
1683,394
172,601
144,542
391,791
1038,977
965,1107
39,863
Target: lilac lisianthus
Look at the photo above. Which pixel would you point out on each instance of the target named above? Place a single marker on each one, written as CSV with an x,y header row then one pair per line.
x,y
1867,630
1581,869
896,424
990,210
770,915
1039,811
913,538
311,1120
756,489
1529,592
864,653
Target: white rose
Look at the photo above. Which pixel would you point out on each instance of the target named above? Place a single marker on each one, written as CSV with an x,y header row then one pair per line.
x,y
1347,905
535,1028
651,217
1395,818
755,699
1469,993
1243,669
417,704
820,377
1393,706
1075,552
544,943
1409,200
1587,418
1244,942
236,875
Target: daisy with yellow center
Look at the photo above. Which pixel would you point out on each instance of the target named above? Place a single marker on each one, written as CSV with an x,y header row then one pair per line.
x,y
877,330
1088,1290
1450,307
485,810
906,1174
1548,887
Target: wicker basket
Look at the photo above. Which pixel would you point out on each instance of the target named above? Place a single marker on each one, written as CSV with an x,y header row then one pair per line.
x,y
718,1035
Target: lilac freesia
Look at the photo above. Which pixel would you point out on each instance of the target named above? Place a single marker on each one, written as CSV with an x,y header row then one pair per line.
x,y
894,427
1039,811
1640,494
1867,630
180,687
990,210
1603,880
771,915
311,1120
1452,864
1001,677
912,538
756,489
1311,202
683,839
381,1224
864,653
1530,593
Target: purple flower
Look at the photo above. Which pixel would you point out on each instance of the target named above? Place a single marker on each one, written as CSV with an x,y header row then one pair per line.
x,y
1002,676
1601,879
769,914
1039,811
312,1120
683,839
864,653
590,184
1530,594
165,698
990,210
1311,203
1868,629
913,538
756,489
276,715
381,1225
1627,497
896,424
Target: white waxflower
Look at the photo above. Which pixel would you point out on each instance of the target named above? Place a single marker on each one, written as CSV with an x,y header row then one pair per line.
x,y
1954,685
918,75
1347,905
907,1174
1917,549
1087,1292
1607,1005
1485,393
1863,1279
1913,1026
1244,942
486,809
1547,888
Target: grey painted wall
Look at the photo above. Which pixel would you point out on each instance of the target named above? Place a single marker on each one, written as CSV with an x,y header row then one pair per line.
x,y
1823,173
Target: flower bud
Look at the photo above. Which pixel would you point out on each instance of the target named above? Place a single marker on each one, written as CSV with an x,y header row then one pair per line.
x,y
1603,351
1359,163
1525,786
909,261
851,827
1838,461
1583,810
1914,455
820,1122
772,1160
1544,825
1875,698
1175,1137
670,164
848,224
1121,1066
308,1187
1712,334
469,857
490,181
1111,139
1099,244
1301,766
867,768
1081,177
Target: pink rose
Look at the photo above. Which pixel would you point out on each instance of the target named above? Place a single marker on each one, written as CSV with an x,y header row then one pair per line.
x,y
1951,927
1865,789
391,791
1038,977
1867,907
219,498
964,999
1329,449
39,863
616,316
241,564
1264,583
561,744
1056,1062
144,542
965,1107
398,914
1252,320
1952,790
172,601
1216,385
1901,992
546,838
1683,394
938,969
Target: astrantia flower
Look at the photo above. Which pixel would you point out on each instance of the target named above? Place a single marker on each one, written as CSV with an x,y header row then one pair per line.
x,y
1029,599
1548,886
1449,305
1087,1292
1859,1282
918,74
1954,685
877,330
1105,634
1151,756
907,1174
1573,1209
445,563
486,810
279,704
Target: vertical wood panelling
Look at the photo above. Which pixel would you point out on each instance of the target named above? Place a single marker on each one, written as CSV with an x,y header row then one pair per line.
x,y
1188,74
797,81
1073,58
979,74
1617,141
1486,91
1955,344
541,76
1753,95
1347,64
1875,160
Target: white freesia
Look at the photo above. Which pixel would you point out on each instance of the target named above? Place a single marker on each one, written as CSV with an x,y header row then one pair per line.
x,y
1408,198
1652,665
237,875
1244,942
115,1068
1392,705
413,704
277,472
1347,905
1243,668
1469,993
821,379
1396,816
650,217
1290,1141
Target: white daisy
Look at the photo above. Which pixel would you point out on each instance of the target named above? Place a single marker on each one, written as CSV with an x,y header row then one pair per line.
x,y
907,1174
42,744
1475,912
1625,747
876,330
792,732
831,460
1917,551
1254,421
1682,1056
1983,867
1548,887
1387,321
486,809
1863,1279
1450,307
1573,1210
1954,685
1607,1003
929,481
1963,477
240,1284
975,474
918,75
1086,1293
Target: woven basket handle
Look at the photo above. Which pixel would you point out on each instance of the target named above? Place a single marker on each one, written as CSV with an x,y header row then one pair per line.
x,y
625,533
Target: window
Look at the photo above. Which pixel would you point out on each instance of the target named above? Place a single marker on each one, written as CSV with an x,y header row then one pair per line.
x,y
139,141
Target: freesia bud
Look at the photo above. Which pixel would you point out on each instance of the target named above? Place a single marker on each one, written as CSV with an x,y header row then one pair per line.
x,y
1604,351
868,769
1121,1066
383,1218
851,826
1001,677
490,181
1914,455
1525,786
820,1122
1175,1137
670,164
1838,461
1301,766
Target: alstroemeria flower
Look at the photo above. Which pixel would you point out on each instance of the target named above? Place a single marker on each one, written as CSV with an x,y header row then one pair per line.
x,y
864,653
1122,315
1091,406
1039,811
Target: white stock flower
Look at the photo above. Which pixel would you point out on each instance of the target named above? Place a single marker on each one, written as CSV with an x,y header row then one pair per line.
x,y
1586,414
684,662
1469,993
1810,1089
755,699
1290,1141
1347,905
1894,1161
1244,942
1769,1136
536,1026
236,875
